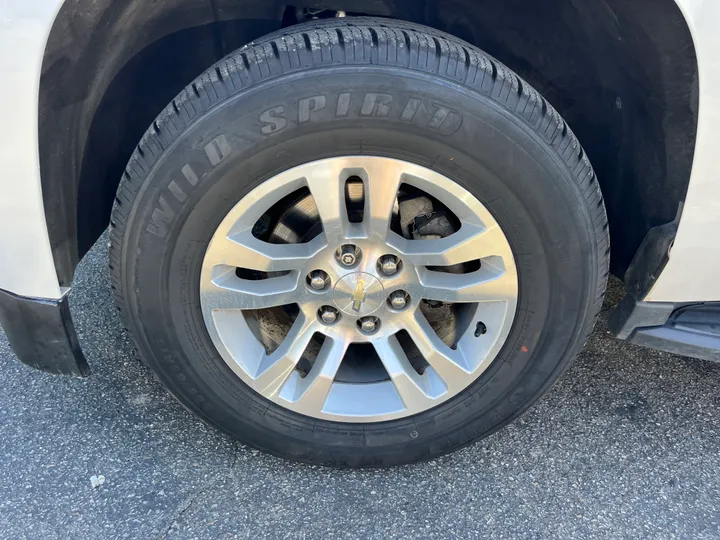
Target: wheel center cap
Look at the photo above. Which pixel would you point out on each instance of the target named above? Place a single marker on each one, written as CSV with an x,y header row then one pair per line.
x,y
358,294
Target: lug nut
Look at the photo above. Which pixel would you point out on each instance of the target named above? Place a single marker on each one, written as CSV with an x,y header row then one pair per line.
x,y
389,265
328,314
368,325
348,259
398,300
348,255
318,280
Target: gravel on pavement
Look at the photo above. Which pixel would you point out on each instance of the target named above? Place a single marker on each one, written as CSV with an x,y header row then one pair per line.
x,y
625,445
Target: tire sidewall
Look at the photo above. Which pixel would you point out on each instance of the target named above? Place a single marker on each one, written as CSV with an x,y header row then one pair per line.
x,y
281,124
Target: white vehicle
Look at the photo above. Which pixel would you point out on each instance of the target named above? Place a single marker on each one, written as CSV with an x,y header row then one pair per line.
x,y
361,232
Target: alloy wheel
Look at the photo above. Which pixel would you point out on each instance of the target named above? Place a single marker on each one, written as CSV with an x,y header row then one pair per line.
x,y
384,243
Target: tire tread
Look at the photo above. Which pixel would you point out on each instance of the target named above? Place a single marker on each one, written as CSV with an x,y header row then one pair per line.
x,y
363,41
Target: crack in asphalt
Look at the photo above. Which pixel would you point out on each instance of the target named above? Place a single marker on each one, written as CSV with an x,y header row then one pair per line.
x,y
187,504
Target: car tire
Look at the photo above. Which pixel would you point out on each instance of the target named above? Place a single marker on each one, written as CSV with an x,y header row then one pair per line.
x,y
359,87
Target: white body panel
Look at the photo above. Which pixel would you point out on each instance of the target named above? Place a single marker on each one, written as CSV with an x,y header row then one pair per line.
x,y
26,264
694,266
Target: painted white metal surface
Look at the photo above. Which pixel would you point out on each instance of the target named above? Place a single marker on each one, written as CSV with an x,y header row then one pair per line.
x,y
692,273
26,263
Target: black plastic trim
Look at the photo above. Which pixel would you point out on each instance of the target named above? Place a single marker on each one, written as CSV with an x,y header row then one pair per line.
x,y
631,314
42,334
687,329
678,342
651,258
690,331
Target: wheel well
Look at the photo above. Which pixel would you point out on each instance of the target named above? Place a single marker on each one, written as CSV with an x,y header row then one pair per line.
x,y
623,75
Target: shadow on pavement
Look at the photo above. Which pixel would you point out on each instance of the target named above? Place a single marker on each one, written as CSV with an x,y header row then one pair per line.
x,y
626,444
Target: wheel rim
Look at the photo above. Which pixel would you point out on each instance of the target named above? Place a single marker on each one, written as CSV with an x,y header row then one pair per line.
x,y
375,296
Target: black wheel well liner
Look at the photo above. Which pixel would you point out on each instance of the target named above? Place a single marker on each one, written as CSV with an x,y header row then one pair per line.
x,y
622,73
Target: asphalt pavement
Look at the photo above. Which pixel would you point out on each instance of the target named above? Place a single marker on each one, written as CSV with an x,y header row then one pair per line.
x,y
625,445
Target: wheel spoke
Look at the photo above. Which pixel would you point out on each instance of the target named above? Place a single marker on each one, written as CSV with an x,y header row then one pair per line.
x,y
449,364
275,368
310,393
484,285
416,391
328,192
469,243
227,291
381,188
243,250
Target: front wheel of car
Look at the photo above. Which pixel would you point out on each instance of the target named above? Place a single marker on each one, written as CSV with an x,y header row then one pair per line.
x,y
358,243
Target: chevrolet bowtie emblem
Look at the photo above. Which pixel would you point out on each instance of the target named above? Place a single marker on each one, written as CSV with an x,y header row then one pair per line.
x,y
358,295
